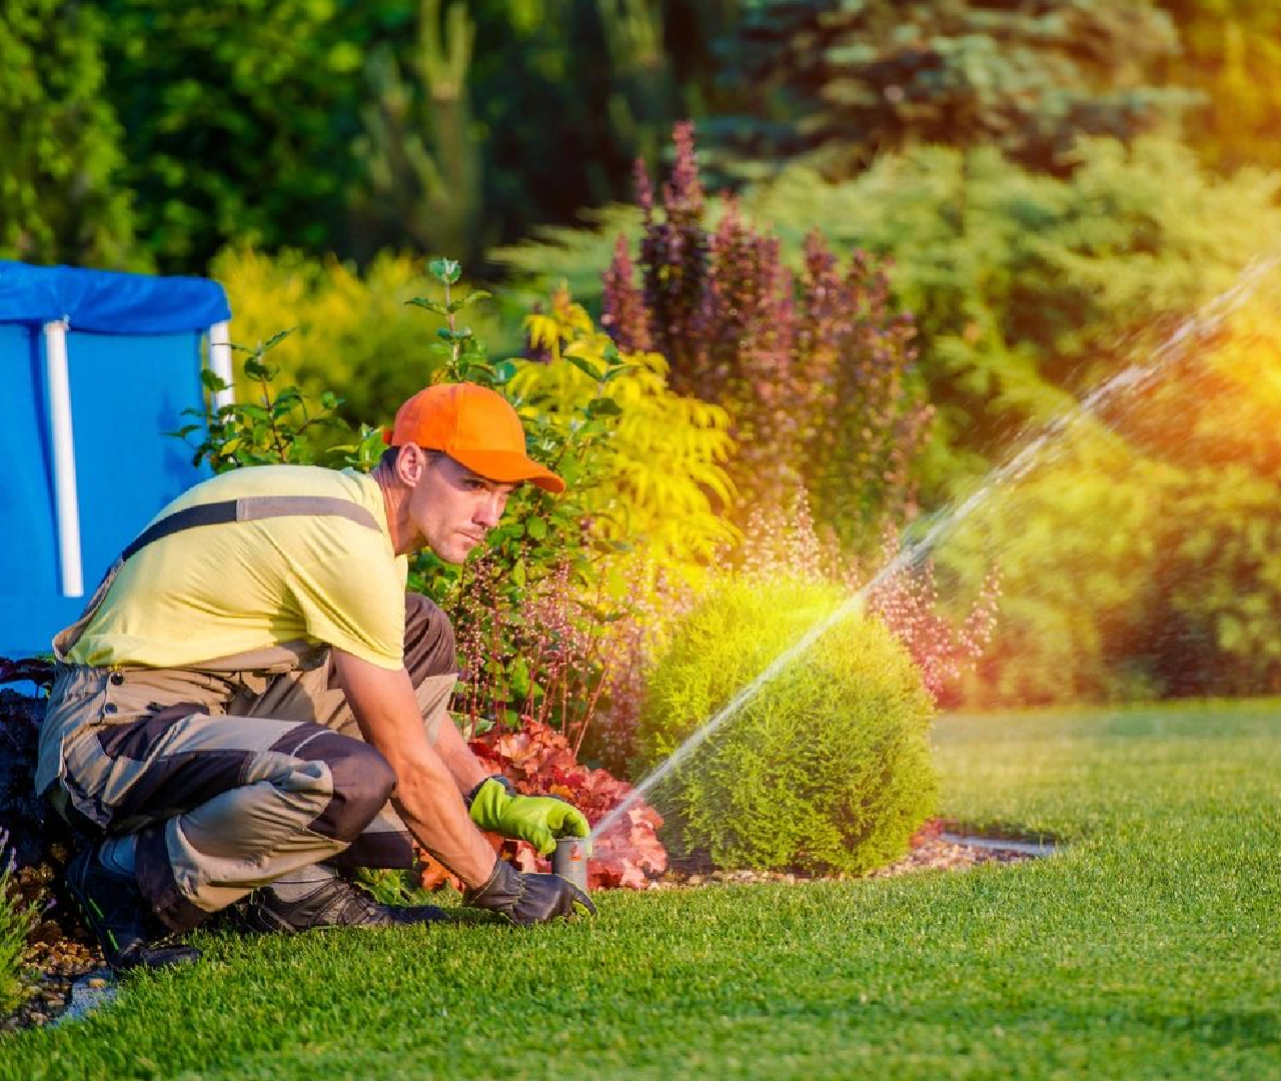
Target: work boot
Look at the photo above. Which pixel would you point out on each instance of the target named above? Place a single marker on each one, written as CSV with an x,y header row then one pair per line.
x,y
331,902
120,917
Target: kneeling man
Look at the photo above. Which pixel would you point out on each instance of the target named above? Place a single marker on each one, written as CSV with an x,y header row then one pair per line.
x,y
252,705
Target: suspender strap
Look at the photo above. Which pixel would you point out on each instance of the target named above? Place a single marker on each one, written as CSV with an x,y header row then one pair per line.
x,y
249,509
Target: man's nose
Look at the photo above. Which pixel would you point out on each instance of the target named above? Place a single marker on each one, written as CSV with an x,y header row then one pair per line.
x,y
491,510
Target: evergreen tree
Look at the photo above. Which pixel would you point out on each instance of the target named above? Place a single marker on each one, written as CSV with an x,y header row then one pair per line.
x,y
420,148
567,93
840,81
1231,51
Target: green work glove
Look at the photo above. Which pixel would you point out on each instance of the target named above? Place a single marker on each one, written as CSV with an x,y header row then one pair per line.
x,y
496,806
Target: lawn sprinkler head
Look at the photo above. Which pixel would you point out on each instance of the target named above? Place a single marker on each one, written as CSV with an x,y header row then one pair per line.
x,y
570,861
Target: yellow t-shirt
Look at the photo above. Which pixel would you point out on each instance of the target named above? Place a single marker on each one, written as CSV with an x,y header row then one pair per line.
x,y
240,587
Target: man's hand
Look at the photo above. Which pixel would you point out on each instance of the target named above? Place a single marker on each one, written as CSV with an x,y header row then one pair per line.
x,y
496,807
526,899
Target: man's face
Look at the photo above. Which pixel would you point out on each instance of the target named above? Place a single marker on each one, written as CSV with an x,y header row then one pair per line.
x,y
453,508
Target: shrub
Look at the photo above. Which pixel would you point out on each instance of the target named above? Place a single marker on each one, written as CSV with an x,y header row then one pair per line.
x,y
15,924
667,476
826,769
814,368
356,337
272,426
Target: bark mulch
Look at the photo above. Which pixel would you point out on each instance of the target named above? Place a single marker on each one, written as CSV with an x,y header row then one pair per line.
x,y
928,851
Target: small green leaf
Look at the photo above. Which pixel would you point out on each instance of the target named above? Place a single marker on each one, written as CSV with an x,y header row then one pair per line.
x,y
604,407
445,270
277,338
583,366
536,528
430,305
504,372
474,297
615,372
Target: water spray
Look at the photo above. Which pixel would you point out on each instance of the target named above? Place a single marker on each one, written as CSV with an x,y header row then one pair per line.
x,y
1129,381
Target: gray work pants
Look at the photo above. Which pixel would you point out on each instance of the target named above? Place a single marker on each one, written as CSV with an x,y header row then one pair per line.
x,y
233,779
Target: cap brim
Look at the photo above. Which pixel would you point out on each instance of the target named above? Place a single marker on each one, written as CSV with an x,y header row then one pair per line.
x,y
508,468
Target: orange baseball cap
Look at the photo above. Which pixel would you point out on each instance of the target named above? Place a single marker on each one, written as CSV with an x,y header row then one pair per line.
x,y
475,426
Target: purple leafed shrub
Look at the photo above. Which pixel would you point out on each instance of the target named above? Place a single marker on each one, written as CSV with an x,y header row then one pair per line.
x,y
815,368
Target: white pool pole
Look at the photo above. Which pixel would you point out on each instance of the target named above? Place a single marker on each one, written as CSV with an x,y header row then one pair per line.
x,y
220,363
66,499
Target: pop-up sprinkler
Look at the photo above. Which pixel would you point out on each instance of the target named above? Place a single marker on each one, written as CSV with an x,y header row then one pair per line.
x,y
570,861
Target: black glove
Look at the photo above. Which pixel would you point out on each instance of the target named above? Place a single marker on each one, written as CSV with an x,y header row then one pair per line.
x,y
525,899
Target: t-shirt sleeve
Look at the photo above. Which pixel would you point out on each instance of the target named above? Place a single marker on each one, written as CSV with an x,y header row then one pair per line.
x,y
354,602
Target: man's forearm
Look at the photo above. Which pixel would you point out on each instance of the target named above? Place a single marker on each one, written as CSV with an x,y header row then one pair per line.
x,y
431,808
463,765
426,795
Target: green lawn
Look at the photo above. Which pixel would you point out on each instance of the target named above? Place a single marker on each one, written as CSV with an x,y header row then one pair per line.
x,y
1151,947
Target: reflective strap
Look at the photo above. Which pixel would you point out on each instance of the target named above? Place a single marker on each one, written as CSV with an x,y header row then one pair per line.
x,y
250,509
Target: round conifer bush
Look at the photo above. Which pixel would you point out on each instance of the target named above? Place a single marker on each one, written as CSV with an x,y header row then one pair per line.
x,y
826,769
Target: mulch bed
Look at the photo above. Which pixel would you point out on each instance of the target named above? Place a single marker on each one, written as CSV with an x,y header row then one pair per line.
x,y
59,952
928,851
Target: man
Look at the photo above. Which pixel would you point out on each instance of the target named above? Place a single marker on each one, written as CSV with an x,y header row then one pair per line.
x,y
252,704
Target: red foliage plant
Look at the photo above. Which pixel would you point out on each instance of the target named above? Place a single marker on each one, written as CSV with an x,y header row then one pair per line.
x,y
540,761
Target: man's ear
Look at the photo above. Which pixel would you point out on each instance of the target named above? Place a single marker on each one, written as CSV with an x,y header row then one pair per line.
x,y
411,463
